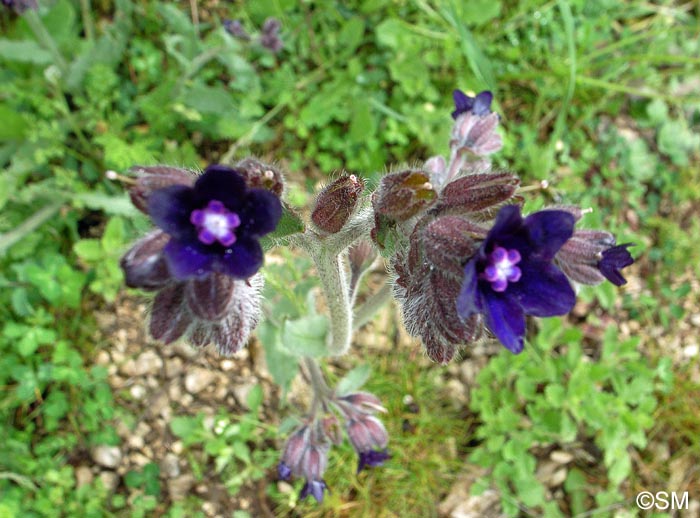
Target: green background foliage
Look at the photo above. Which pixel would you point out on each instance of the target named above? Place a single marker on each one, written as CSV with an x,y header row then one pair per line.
x,y
600,99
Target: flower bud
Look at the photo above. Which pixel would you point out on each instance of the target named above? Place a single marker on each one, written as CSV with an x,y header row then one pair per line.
x,y
153,178
437,169
476,192
235,28
209,298
402,195
243,313
364,402
590,257
144,265
476,134
448,240
336,203
366,432
258,174
170,316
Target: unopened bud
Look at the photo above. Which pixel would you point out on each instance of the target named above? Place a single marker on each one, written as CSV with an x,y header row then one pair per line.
x,y
210,297
153,178
476,134
447,241
144,265
364,402
402,195
366,432
476,192
336,203
170,316
260,175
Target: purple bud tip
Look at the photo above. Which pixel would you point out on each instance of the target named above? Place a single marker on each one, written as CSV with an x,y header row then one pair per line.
x,y
479,105
284,471
372,459
501,268
215,223
614,259
314,488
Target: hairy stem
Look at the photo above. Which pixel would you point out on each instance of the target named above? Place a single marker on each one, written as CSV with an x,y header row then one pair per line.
x,y
334,284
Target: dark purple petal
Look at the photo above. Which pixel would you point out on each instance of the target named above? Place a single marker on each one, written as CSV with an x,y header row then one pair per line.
x,y
170,208
372,459
283,471
186,260
261,214
549,230
482,103
463,103
543,290
505,319
241,260
469,298
220,183
614,259
314,488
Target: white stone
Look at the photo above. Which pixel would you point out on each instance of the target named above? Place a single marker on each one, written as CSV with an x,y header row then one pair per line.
x,y
107,456
198,379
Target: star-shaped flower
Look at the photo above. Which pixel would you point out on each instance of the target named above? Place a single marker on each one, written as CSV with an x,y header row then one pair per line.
x,y
512,274
215,225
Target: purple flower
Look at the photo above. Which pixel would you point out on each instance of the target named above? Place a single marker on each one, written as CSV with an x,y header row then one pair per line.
x,y
614,259
235,28
314,488
283,471
512,274
372,459
479,105
20,6
214,226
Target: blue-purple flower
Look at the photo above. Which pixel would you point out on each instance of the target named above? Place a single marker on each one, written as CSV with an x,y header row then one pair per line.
x,y
215,225
512,274
479,105
372,459
313,488
614,259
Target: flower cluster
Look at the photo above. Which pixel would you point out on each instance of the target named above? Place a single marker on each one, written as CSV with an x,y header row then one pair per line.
x,y
466,259
305,454
203,261
269,33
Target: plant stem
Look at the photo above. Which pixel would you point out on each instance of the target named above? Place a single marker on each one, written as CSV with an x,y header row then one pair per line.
x,y
45,40
334,284
369,307
87,19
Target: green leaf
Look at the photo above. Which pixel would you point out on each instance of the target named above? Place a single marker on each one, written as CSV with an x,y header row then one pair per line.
x,y
186,428
255,398
113,237
354,379
282,365
24,51
117,205
13,127
88,249
306,336
290,223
